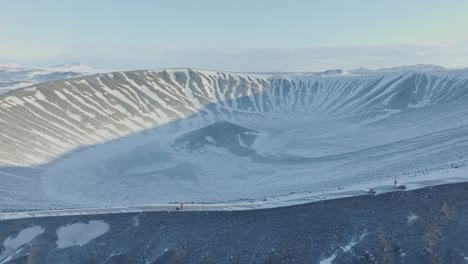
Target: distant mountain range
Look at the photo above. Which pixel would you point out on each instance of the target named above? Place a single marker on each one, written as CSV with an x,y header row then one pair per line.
x,y
418,68
411,68
14,76
74,66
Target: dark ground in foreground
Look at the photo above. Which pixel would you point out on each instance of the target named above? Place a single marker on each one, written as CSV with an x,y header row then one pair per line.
x,y
422,226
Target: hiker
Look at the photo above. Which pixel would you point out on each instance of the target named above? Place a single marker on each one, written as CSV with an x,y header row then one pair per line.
x,y
181,207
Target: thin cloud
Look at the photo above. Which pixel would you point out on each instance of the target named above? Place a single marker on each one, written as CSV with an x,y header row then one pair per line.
x,y
15,49
458,40
148,56
301,59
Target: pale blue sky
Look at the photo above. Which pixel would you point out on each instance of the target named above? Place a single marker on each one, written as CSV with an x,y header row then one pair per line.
x,y
236,35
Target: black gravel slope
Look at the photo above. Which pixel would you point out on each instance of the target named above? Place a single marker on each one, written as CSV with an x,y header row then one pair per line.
x,y
422,226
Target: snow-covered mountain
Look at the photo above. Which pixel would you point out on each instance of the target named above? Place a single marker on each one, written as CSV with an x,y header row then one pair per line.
x,y
401,69
14,76
159,136
73,66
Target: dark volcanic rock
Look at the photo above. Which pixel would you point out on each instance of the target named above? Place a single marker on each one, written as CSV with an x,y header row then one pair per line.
x,y
236,139
422,226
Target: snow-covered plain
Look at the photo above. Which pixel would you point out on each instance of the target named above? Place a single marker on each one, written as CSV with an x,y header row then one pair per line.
x,y
14,76
80,234
156,137
12,245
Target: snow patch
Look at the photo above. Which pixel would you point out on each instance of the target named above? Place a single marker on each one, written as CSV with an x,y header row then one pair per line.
x,y
411,218
12,245
136,220
210,139
343,249
80,234
328,260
